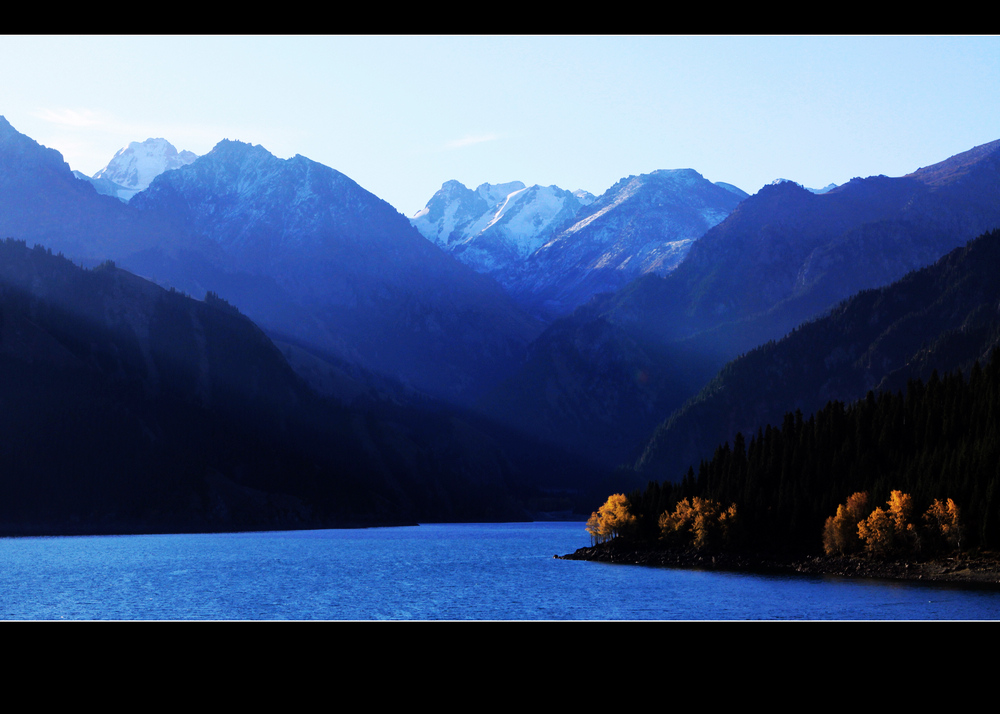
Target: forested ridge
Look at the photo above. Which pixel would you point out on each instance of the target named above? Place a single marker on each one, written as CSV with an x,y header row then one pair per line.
x,y
129,408
941,317
937,440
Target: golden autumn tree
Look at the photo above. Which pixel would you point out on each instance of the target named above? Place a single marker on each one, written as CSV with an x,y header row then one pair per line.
x,y
611,520
877,533
840,532
943,520
673,525
900,510
885,532
706,519
594,527
701,522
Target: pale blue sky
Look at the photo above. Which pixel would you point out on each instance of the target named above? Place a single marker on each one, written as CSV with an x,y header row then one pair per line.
x,y
402,114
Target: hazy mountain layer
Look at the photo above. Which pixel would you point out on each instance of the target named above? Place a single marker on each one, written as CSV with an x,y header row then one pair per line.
x,y
376,292
943,317
781,257
131,408
297,246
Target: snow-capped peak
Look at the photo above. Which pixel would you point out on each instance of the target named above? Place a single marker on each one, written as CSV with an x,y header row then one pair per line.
x,y
136,165
495,227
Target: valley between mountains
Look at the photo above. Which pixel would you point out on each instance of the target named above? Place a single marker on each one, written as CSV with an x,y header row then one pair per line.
x,y
236,341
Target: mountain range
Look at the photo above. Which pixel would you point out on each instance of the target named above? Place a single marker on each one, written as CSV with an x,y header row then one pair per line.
x,y
783,256
297,246
553,249
372,290
496,356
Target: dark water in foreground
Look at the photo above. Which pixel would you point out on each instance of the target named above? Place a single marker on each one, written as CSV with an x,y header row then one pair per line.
x,y
430,572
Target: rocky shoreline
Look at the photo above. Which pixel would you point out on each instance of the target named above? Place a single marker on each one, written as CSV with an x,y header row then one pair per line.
x,y
980,569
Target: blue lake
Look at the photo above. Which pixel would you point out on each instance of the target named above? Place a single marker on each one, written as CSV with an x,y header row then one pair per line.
x,y
428,572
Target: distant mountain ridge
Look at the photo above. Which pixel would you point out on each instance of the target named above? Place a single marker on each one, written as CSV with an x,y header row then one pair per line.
x,y
374,291
953,168
553,249
783,256
642,225
42,201
495,228
786,254
299,247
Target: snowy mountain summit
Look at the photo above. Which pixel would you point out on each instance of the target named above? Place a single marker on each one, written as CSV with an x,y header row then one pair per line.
x,y
642,224
496,227
134,167
553,249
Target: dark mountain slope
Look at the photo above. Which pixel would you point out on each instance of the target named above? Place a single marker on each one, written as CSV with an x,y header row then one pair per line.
x,y
128,408
943,318
592,388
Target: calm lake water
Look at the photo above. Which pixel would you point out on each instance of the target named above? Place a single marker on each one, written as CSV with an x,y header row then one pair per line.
x,y
428,572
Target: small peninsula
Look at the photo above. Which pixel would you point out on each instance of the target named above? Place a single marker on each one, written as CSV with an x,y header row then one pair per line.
x,y
979,569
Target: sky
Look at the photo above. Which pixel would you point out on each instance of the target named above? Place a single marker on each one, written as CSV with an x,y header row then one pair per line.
x,y
402,114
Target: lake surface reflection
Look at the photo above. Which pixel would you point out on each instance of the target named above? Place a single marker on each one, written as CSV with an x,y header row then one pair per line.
x,y
428,572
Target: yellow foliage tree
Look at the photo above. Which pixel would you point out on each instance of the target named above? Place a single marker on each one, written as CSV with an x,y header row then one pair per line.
x,y
840,533
595,528
900,510
887,531
610,520
678,522
944,521
706,519
700,520
877,532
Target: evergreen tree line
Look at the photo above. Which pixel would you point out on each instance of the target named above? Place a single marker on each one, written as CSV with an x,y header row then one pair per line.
x,y
940,440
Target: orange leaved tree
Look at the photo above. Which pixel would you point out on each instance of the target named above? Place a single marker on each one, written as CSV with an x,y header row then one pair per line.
x,y
943,521
886,532
610,520
840,533
700,521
